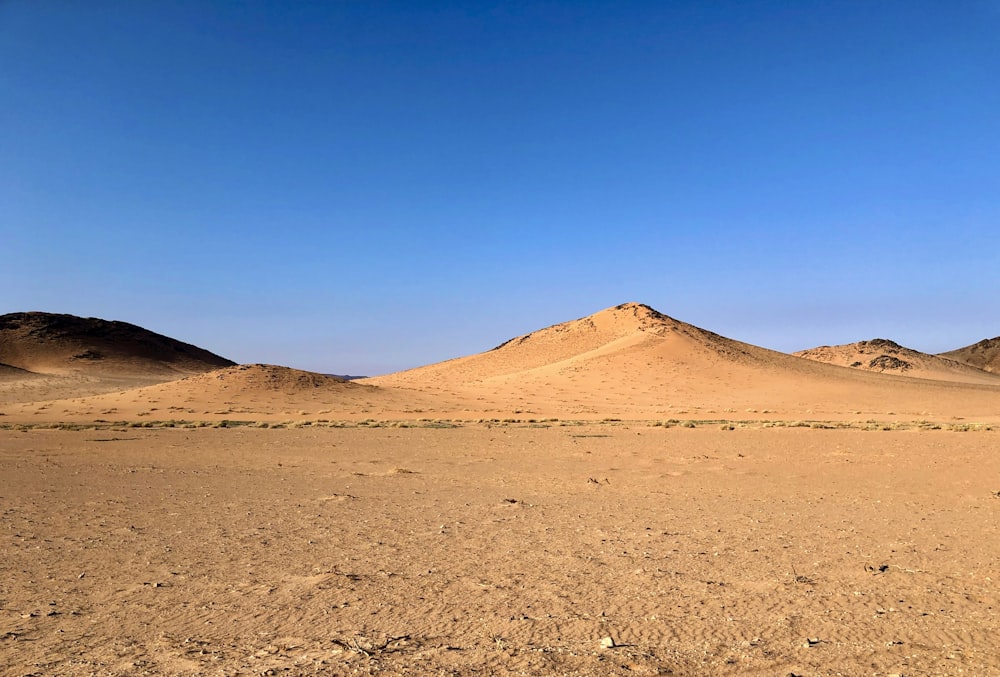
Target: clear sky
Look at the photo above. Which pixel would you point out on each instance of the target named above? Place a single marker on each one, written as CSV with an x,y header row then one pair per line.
x,y
360,187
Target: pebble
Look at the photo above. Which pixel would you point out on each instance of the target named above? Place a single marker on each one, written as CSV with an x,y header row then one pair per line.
x,y
608,643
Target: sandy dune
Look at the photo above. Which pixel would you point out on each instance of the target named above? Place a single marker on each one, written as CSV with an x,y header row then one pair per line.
x,y
984,355
631,361
255,392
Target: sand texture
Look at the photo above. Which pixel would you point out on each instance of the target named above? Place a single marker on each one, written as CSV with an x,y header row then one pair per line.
x,y
499,550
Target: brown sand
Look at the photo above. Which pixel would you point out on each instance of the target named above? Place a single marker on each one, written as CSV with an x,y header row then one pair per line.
x,y
499,550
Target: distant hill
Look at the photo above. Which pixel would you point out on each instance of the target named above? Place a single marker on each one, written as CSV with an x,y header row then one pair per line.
x,y
49,343
984,355
888,357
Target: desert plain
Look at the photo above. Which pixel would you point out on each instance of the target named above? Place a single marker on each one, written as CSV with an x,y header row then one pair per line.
x,y
623,494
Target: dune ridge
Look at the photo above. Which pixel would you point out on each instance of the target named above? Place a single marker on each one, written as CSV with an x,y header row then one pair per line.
x,y
568,343
631,360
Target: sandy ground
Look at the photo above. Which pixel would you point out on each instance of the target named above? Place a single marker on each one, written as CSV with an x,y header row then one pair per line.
x,y
504,549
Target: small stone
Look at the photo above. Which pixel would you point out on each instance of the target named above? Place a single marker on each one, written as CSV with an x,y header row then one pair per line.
x,y
608,643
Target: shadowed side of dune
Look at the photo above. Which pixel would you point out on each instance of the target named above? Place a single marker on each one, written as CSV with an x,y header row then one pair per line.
x,y
50,343
48,356
983,355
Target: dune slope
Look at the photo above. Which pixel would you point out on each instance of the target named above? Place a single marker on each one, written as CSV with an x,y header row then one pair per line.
x,y
631,360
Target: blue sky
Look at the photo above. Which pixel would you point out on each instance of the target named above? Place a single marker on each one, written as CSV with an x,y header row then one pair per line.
x,y
362,187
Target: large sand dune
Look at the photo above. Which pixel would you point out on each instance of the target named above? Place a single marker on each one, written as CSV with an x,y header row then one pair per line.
x,y
632,361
